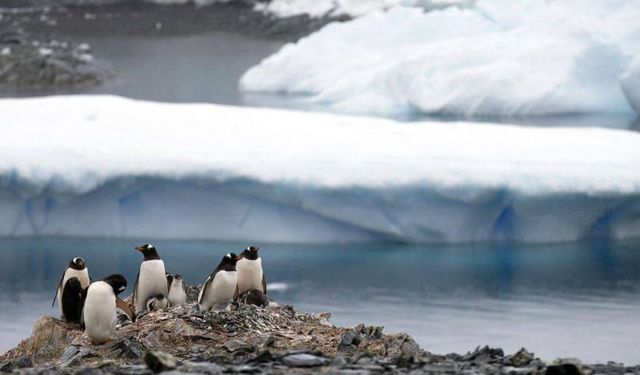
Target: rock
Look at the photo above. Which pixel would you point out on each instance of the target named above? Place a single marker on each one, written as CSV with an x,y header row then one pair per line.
x,y
520,359
303,360
159,361
485,354
237,345
563,369
126,348
201,367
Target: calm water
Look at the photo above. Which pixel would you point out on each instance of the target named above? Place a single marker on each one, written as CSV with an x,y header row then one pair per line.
x,y
559,301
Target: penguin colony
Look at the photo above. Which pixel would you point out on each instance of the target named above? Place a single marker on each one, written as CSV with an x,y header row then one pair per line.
x,y
94,305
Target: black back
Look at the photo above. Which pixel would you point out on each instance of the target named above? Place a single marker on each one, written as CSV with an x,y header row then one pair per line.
x,y
117,282
250,253
73,297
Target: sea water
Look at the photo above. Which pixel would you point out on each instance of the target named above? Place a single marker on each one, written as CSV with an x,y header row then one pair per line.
x,y
578,300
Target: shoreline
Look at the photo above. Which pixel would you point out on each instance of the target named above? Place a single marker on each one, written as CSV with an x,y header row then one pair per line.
x,y
248,339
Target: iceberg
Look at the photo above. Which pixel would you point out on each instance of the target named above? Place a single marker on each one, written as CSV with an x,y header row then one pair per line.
x,y
492,58
110,166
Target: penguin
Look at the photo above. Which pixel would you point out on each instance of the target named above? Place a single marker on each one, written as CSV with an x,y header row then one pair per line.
x,y
250,275
254,297
99,311
77,268
157,302
220,286
177,295
151,279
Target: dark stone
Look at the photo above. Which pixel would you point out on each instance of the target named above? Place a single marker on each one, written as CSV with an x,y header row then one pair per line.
x,y
22,362
209,368
303,360
563,369
264,357
159,361
234,345
126,348
485,354
520,359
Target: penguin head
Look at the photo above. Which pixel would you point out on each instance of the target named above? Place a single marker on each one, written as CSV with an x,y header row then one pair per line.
x,y
77,263
117,282
250,253
228,262
149,251
177,277
169,278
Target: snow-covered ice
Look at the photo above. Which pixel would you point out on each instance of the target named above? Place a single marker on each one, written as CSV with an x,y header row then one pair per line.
x,y
351,8
101,165
497,57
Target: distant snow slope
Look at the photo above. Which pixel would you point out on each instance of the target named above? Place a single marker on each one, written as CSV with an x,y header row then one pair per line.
x,y
497,57
351,8
101,165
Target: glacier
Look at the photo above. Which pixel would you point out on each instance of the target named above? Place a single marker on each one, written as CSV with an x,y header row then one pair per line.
x,y
110,166
490,58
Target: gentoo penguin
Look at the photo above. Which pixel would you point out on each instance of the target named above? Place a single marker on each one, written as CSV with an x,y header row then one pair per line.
x,y
220,286
99,310
157,302
250,275
177,295
151,279
77,268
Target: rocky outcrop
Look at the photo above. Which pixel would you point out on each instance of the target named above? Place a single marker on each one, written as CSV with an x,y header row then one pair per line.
x,y
249,339
26,61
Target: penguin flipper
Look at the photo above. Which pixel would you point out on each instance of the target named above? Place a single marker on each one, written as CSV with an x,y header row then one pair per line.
x,y
203,292
264,284
124,307
236,294
58,289
135,287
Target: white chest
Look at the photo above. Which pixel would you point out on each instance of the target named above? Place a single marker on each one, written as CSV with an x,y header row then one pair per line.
x,y
152,280
221,289
100,312
249,274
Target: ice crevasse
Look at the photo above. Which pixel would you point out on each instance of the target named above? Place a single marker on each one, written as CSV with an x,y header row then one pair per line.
x,y
109,166
492,58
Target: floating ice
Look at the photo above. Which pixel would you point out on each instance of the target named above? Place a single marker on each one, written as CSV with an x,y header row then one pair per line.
x,y
498,57
101,165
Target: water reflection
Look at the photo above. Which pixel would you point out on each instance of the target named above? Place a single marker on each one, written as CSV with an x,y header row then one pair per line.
x,y
556,300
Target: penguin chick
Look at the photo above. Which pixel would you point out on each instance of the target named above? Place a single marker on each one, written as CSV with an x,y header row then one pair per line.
x,y
158,302
254,297
220,286
250,274
99,309
177,295
151,279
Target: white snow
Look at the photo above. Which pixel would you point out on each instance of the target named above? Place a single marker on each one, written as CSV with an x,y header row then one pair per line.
x,y
101,165
351,8
497,57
